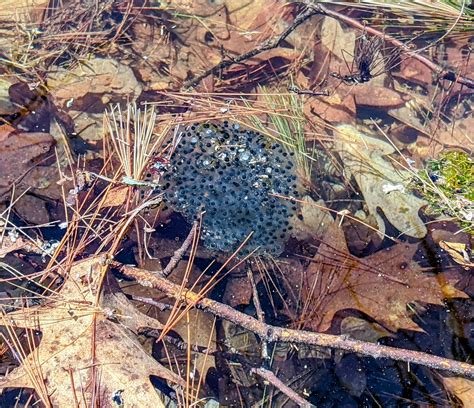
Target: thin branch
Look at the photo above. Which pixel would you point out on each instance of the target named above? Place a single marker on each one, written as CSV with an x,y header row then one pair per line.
x,y
179,253
279,334
260,313
280,385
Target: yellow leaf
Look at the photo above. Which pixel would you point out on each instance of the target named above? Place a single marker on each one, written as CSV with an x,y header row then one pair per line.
x,y
458,252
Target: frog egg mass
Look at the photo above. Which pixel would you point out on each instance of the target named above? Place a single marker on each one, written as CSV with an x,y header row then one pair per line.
x,y
233,175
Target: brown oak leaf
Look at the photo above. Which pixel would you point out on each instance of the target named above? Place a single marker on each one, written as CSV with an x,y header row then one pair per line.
x,y
380,285
85,344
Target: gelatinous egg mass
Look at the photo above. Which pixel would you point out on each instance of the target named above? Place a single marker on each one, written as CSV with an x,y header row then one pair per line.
x,y
233,174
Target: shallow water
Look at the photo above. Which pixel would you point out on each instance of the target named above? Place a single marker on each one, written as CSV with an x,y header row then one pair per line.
x,y
330,196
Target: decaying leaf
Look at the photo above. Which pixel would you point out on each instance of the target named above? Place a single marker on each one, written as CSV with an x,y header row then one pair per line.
x,y
377,96
238,292
235,26
431,142
245,342
340,43
6,106
380,285
83,345
315,221
334,108
380,182
200,329
117,196
32,209
21,10
10,244
88,126
361,329
17,151
103,80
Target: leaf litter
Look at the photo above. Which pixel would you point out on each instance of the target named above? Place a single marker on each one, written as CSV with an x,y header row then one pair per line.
x,y
52,102
83,344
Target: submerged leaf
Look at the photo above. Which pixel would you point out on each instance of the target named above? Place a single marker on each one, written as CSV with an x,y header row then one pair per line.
x,y
363,158
462,388
338,41
17,153
381,285
84,346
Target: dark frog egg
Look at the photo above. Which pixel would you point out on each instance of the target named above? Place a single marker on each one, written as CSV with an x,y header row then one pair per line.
x,y
235,175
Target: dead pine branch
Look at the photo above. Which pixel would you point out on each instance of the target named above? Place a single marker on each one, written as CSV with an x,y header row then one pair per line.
x,y
271,333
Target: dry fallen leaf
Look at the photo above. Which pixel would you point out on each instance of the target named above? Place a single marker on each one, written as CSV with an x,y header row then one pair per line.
x,y
75,344
380,285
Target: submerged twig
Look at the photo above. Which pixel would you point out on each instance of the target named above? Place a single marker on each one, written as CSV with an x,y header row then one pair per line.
x,y
280,385
258,308
279,334
179,253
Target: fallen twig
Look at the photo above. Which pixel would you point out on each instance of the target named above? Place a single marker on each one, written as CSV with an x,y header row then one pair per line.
x,y
279,384
179,253
279,334
258,308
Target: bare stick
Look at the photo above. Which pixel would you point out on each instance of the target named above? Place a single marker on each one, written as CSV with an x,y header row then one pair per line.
x,y
279,384
258,308
274,333
179,253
